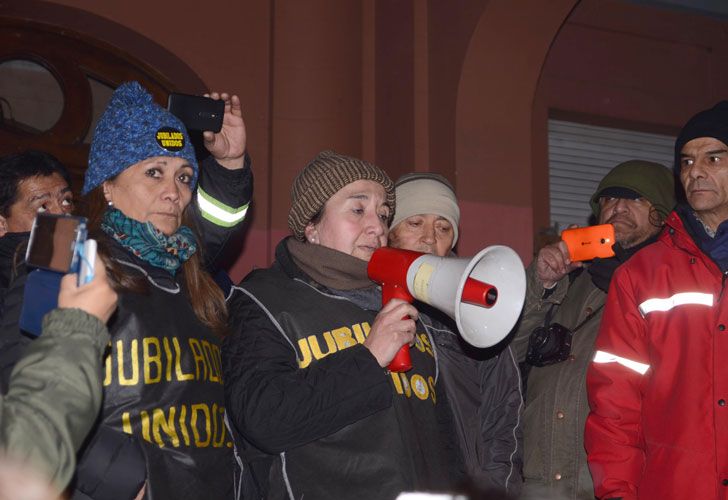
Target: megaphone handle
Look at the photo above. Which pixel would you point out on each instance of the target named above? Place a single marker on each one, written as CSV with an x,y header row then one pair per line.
x,y
401,361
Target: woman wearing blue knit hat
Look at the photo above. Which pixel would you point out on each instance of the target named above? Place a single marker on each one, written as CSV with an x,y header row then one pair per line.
x,y
162,432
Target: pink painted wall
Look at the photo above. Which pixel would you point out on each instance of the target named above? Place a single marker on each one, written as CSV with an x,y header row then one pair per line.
x,y
488,224
618,64
497,85
228,44
463,87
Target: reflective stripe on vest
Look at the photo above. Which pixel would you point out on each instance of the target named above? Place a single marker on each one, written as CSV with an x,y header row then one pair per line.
x,y
605,357
679,299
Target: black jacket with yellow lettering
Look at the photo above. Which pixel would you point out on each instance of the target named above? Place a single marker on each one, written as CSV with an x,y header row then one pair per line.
x,y
330,422
142,409
219,208
162,377
163,384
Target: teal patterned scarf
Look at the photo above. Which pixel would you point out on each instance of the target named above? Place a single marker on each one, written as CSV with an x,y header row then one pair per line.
x,y
148,243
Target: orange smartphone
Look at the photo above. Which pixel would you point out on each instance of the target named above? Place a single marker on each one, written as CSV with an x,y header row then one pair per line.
x,y
586,243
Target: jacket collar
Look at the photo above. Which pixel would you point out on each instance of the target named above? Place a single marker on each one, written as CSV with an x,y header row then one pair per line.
x,y
677,233
9,245
713,244
156,276
680,234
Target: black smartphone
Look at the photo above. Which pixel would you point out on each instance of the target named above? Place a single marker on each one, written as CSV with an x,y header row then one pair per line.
x,y
197,112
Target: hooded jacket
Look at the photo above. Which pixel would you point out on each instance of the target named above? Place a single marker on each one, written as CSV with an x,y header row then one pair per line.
x,y
658,385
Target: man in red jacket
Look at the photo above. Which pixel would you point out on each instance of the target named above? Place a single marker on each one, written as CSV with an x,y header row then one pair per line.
x,y
658,384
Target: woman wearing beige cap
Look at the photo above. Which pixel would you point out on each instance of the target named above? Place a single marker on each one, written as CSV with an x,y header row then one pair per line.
x,y
482,385
305,376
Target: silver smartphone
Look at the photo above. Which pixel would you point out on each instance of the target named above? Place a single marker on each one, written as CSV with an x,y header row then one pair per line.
x,y
59,243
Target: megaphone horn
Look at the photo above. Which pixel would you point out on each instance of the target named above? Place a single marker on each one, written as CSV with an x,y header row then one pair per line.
x,y
484,294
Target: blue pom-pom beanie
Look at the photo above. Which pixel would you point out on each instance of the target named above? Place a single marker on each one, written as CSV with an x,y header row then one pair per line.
x,y
131,129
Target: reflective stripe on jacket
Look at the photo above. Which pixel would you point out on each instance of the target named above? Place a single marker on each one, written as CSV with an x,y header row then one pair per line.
x,y
659,384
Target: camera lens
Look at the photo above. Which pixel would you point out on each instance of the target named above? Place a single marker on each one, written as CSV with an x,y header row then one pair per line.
x,y
540,338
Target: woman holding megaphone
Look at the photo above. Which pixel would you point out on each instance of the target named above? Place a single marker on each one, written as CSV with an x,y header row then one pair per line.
x,y
314,411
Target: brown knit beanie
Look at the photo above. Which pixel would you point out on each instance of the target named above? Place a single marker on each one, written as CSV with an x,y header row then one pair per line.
x,y
323,177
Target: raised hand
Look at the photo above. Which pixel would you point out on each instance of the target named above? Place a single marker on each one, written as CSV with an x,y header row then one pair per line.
x,y
228,145
96,297
553,263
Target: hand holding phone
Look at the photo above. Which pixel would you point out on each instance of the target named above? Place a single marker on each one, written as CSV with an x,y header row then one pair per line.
x,y
58,243
88,261
57,246
553,263
97,298
219,116
228,145
587,243
197,112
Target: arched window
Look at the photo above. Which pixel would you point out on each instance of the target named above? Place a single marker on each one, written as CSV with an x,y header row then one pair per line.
x,y
55,82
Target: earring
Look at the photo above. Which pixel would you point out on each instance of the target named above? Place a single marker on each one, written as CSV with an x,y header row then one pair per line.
x,y
110,203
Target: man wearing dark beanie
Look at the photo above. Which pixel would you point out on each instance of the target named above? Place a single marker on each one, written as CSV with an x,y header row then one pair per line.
x,y
658,384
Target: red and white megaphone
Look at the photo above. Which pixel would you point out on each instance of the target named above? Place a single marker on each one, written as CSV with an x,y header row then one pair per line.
x,y
483,294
